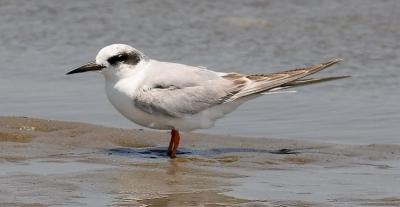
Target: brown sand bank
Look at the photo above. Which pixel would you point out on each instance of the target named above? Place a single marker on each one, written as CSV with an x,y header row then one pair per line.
x,y
48,163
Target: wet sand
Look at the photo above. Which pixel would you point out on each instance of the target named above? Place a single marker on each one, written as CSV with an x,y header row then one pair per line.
x,y
49,163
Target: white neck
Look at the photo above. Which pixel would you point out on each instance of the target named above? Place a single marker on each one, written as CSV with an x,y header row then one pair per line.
x,y
127,81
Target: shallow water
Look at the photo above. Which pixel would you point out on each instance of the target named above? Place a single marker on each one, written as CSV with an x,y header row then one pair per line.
x,y
41,40
76,164
48,168
338,185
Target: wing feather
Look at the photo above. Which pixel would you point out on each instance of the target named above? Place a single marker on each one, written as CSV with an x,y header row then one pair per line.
x,y
263,82
180,96
180,102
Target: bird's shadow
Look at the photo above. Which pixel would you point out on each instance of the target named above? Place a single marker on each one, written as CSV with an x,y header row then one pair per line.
x,y
161,152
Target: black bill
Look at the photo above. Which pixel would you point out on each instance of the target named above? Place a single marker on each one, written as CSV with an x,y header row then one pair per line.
x,y
86,68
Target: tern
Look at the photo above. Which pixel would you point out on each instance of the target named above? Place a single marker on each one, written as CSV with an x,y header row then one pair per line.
x,y
178,97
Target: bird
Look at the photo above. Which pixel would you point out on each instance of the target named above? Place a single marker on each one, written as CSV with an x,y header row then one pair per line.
x,y
178,97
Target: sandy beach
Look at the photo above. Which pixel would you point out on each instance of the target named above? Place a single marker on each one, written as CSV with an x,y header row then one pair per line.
x,y
56,163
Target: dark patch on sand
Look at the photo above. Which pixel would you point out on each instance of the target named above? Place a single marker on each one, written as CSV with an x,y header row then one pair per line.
x,y
161,152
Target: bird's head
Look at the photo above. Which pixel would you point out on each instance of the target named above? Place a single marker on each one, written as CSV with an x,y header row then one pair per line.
x,y
114,61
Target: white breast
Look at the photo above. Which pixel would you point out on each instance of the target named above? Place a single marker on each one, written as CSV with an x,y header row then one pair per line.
x,y
121,95
122,99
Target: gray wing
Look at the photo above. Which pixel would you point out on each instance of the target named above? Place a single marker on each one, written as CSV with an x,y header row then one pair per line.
x,y
188,90
179,102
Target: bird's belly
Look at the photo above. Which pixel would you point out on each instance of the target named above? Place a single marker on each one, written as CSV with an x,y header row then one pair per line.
x,y
125,105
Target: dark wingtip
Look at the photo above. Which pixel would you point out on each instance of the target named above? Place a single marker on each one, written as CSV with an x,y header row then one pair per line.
x,y
332,61
345,76
336,77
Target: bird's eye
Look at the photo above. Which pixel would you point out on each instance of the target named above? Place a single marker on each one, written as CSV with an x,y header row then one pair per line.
x,y
117,58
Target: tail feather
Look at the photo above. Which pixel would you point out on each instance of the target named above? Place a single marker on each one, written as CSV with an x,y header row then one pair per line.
x,y
259,83
309,81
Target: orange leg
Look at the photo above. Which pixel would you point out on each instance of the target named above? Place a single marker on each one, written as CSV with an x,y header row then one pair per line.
x,y
173,143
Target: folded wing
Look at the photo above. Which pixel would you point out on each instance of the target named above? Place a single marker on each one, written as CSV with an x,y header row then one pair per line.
x,y
180,97
179,102
259,83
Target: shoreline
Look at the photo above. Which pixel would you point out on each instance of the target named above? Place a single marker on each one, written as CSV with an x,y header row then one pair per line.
x,y
49,162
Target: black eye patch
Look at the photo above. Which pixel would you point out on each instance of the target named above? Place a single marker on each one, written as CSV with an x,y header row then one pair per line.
x,y
118,58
